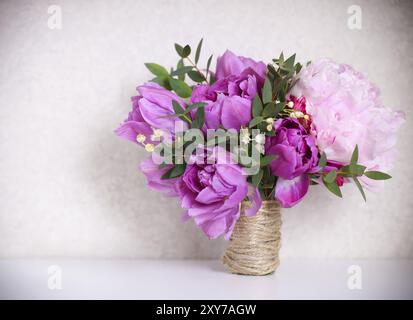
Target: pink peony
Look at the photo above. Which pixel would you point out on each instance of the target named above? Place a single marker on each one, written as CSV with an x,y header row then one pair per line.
x,y
346,110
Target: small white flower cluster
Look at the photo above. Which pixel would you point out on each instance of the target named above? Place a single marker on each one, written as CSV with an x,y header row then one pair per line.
x,y
259,139
149,147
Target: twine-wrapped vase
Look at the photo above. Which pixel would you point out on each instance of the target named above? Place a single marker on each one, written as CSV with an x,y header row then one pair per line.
x,y
255,241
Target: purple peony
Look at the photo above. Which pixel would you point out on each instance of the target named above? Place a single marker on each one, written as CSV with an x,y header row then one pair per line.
x,y
295,149
211,193
230,64
296,153
151,116
229,99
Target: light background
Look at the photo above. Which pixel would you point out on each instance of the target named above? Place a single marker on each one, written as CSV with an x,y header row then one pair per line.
x,y
70,188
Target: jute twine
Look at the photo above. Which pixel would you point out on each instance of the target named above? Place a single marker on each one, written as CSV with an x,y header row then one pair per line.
x,y
255,242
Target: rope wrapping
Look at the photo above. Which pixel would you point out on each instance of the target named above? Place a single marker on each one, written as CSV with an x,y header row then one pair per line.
x,y
255,241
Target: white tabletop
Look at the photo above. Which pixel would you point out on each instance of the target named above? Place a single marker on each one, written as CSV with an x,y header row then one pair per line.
x,y
203,279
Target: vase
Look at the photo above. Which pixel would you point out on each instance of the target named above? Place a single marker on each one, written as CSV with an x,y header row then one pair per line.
x,y
255,241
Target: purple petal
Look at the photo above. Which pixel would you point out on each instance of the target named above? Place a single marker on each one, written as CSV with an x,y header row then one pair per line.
x,y
286,161
130,129
153,175
235,112
208,195
290,192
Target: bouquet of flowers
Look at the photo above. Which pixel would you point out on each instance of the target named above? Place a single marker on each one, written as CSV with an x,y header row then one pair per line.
x,y
236,144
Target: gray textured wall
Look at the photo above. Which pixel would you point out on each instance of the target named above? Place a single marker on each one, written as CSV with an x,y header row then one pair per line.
x,y
69,187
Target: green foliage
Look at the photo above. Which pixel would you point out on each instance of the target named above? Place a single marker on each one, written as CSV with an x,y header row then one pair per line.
x,y
181,70
269,110
183,52
267,91
198,50
180,88
257,106
360,187
177,107
334,188
377,175
209,64
199,118
354,159
331,176
180,112
180,67
255,121
163,81
157,69
354,170
323,160
196,76
194,106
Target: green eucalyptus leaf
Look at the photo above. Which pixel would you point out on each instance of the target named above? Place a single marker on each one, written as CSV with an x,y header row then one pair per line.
x,y
267,92
177,108
186,51
355,169
194,106
181,70
196,76
179,49
157,69
255,121
199,118
180,66
163,81
298,67
278,108
269,110
354,159
289,63
198,51
323,160
209,63
331,176
355,155
257,106
280,60
271,69
180,88
212,78
360,187
334,188
377,175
